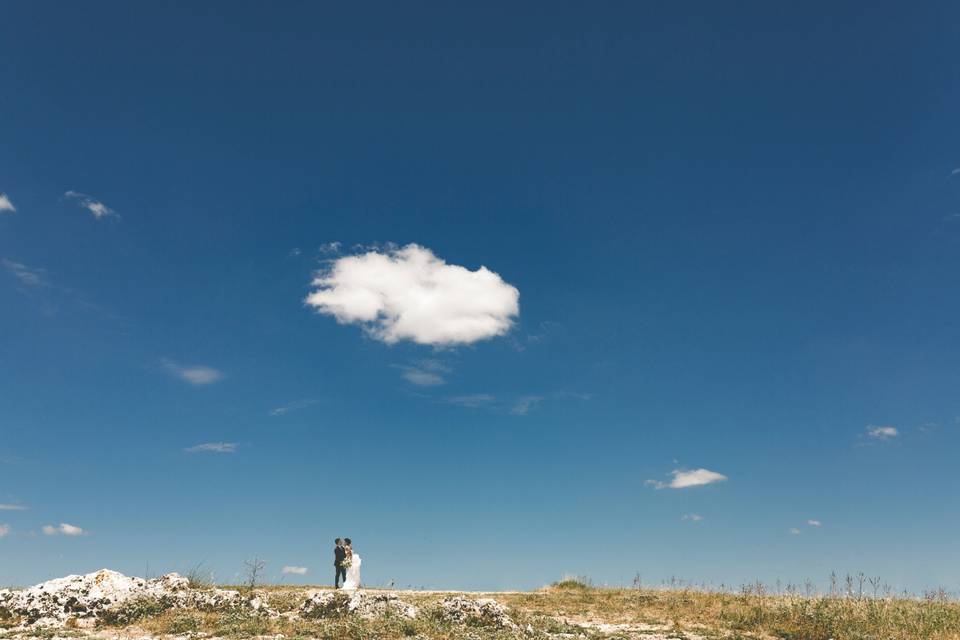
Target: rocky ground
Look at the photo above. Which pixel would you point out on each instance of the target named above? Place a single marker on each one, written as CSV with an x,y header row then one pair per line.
x,y
109,605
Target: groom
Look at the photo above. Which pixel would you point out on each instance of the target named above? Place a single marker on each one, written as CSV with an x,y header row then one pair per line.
x,y
339,555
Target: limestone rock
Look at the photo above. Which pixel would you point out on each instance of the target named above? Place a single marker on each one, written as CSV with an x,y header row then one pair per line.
x,y
365,605
484,611
83,600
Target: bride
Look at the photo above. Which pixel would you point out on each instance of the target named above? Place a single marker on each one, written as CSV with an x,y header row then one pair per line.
x,y
353,568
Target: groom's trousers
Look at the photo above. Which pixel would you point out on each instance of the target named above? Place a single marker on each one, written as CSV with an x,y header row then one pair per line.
x,y
341,572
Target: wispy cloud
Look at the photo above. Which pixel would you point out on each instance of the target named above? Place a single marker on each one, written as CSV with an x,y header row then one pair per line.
x,y
814,523
29,277
686,479
422,378
97,208
955,172
329,248
692,517
5,204
424,373
576,395
524,404
546,331
517,405
794,531
63,529
298,571
296,405
197,374
411,294
4,530
35,285
12,507
213,447
928,427
882,433
471,401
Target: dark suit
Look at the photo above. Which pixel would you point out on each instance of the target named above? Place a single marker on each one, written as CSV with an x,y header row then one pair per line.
x,y
339,555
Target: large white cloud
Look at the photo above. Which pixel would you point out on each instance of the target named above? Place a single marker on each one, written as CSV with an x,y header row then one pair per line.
x,y
411,294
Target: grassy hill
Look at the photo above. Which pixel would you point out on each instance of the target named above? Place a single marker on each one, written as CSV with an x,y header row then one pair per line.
x,y
569,609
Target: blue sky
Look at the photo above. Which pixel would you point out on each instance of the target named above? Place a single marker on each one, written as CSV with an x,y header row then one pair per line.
x,y
720,298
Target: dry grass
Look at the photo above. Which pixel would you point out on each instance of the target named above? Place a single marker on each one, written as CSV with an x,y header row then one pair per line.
x,y
750,615
241,624
573,609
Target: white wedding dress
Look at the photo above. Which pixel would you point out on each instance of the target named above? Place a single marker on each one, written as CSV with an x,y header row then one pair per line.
x,y
352,582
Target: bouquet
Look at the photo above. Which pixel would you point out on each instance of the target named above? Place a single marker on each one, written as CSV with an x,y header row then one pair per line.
x,y
346,562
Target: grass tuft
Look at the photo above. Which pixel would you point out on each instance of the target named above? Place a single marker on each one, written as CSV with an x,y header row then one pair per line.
x,y
200,577
575,583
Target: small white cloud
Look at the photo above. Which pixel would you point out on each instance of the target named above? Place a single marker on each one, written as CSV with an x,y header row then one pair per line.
x,y
26,275
97,208
63,529
5,204
12,507
882,433
213,447
422,378
684,479
524,404
4,530
293,406
794,531
197,375
955,172
472,401
410,294
200,375
425,373
295,252
299,571
692,517
814,523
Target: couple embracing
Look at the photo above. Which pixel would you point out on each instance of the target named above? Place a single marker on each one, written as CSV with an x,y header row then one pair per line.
x,y
347,564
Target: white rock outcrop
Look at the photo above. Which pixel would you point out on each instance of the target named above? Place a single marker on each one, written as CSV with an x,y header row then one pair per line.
x,y
85,599
358,603
484,611
111,597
